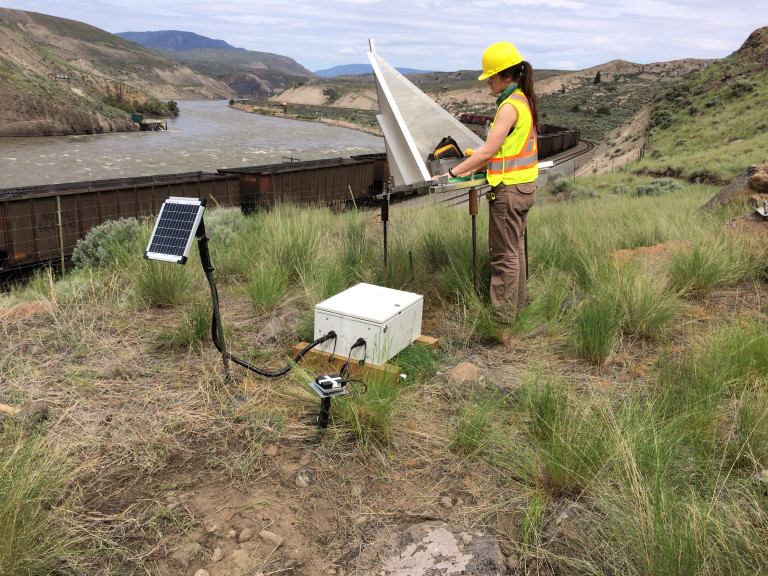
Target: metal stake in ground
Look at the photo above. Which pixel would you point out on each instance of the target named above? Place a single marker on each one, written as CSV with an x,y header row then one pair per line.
x,y
385,219
473,213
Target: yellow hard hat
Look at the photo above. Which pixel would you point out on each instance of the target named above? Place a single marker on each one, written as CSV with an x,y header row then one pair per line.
x,y
498,57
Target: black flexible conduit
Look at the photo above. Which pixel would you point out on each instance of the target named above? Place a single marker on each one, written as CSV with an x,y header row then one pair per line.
x,y
217,332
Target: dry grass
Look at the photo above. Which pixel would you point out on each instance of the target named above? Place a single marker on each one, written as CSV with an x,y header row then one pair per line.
x,y
168,452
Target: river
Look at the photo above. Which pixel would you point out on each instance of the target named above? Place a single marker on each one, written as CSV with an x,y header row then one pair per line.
x,y
206,136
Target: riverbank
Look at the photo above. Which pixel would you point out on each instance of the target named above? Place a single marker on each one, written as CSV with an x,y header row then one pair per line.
x,y
39,115
354,119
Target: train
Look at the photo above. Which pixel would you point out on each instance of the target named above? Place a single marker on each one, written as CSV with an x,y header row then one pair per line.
x,y
551,139
41,224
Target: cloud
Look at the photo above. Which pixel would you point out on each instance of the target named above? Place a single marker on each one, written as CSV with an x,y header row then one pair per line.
x,y
438,34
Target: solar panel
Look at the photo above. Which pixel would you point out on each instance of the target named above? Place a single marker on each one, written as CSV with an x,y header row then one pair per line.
x,y
175,229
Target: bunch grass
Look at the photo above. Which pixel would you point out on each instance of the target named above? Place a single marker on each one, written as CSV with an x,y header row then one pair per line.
x,y
658,460
35,534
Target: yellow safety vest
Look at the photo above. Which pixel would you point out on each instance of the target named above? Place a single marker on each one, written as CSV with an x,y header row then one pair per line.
x,y
517,161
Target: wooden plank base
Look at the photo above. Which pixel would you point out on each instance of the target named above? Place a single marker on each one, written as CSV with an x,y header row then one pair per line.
x,y
319,360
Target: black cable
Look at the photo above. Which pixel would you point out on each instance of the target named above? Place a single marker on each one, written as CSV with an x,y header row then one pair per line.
x,y
284,370
333,352
345,369
217,332
365,386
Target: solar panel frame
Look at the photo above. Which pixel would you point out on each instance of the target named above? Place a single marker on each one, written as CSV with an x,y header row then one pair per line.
x,y
175,229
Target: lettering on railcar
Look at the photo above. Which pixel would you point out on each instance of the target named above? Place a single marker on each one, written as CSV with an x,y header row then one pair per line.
x,y
48,221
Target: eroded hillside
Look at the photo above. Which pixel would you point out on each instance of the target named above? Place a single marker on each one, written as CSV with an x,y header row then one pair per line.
x,y
54,74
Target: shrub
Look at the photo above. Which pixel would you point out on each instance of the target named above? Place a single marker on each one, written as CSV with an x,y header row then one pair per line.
x,y
172,107
224,224
622,189
661,119
331,95
741,86
583,193
103,245
658,187
559,186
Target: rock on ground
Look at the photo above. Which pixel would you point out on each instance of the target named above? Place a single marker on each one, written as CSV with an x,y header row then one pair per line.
x,y
430,549
754,180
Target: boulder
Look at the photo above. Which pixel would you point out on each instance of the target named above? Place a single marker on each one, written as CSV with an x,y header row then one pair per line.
x,y
754,180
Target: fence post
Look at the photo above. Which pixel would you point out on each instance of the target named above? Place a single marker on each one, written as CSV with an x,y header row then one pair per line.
x,y
61,233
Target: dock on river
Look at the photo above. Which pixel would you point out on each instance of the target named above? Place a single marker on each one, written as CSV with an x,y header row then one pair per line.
x,y
148,125
153,125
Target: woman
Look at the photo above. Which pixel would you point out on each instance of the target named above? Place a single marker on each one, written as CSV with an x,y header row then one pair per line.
x,y
510,157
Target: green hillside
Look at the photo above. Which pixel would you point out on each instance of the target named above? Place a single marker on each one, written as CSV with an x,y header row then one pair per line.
x,y
713,124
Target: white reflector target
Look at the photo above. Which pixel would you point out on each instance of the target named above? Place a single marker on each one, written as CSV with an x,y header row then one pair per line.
x,y
175,229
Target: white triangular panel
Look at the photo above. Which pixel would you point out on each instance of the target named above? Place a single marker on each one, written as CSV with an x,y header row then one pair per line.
x,y
413,124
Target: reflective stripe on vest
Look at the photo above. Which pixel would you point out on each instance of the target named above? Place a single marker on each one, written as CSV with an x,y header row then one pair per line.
x,y
517,159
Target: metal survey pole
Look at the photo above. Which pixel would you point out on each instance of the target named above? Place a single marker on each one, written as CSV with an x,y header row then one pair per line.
x,y
385,219
475,186
473,213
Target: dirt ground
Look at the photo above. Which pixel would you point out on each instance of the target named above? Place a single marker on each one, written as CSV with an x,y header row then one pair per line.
x,y
183,470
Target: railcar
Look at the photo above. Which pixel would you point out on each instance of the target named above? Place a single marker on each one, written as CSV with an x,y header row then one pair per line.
x,y
324,182
43,223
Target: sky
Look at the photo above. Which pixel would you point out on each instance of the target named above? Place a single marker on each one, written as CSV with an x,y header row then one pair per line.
x,y
443,35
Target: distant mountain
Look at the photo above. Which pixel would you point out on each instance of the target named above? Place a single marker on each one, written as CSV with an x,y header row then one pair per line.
x,y
175,40
247,73
353,69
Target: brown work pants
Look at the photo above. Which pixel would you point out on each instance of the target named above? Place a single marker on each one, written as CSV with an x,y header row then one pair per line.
x,y
507,221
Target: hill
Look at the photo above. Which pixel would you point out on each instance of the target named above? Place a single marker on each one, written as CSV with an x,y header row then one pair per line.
x,y
570,99
246,72
175,40
55,75
711,125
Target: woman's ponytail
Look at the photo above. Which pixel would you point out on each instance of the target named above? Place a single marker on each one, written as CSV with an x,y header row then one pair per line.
x,y
525,83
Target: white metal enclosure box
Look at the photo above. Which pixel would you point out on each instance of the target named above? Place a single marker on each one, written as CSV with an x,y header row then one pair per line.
x,y
388,320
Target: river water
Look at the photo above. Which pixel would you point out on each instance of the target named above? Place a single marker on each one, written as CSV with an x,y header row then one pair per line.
x,y
206,136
